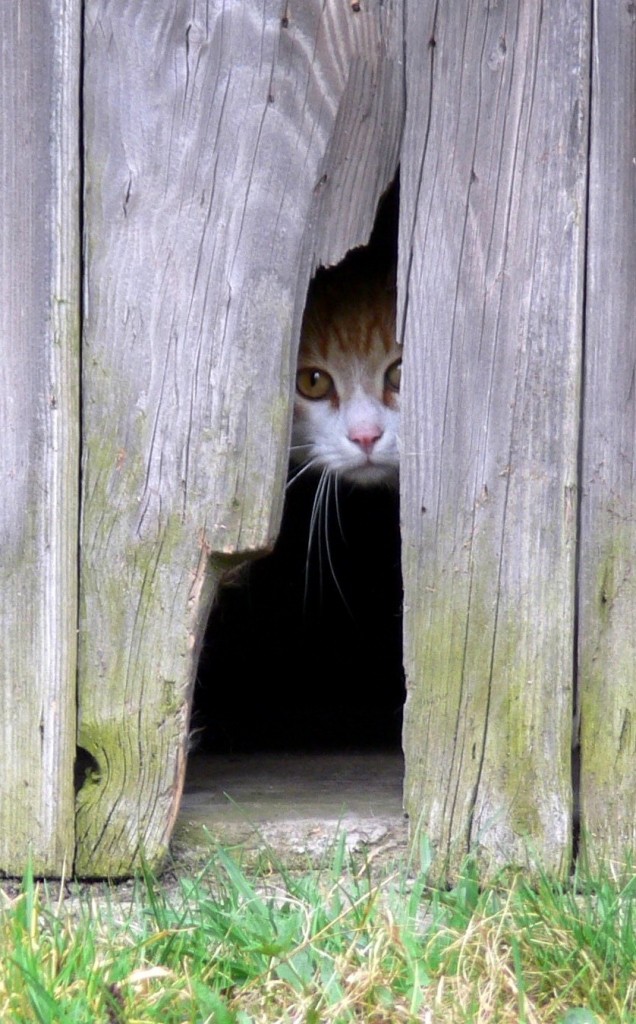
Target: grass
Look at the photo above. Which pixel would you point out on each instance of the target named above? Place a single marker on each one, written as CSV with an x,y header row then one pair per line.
x,y
337,945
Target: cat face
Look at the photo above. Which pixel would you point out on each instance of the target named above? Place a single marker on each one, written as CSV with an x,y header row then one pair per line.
x,y
347,404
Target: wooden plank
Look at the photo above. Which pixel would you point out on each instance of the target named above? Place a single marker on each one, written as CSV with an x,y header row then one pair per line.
x,y
493,221
202,204
39,455
608,509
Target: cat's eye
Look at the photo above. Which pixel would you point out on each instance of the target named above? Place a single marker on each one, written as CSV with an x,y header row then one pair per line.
x,y
314,383
393,376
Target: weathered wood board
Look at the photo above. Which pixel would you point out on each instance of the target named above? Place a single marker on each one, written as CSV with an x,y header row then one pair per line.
x,y
493,231
215,135
39,427
607,635
230,149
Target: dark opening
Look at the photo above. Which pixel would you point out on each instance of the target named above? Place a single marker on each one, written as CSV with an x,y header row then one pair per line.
x,y
304,653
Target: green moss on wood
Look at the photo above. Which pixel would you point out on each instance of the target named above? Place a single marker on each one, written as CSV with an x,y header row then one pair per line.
x,y
488,721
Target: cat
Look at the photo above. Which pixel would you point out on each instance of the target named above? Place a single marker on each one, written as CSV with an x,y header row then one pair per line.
x,y
324,607
347,404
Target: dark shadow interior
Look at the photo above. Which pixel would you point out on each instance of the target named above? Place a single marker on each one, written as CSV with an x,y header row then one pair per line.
x,y
287,664
305,652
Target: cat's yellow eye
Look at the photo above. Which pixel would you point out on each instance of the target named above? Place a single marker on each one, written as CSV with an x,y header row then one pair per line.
x,y
393,375
313,383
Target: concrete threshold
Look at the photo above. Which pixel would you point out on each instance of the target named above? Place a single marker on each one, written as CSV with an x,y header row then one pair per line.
x,y
294,805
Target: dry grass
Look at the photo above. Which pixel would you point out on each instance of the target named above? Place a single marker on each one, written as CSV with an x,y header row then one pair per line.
x,y
331,946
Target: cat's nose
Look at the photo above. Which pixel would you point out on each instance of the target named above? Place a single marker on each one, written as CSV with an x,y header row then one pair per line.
x,y
365,437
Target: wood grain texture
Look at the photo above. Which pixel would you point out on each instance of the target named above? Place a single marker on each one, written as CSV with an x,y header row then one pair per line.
x,y
607,649
493,227
209,155
39,427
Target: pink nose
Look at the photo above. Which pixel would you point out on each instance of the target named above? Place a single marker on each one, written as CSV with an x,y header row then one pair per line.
x,y
365,437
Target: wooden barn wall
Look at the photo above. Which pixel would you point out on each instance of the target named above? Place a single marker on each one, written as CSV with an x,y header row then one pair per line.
x,y
607,634
494,171
218,138
39,453
230,147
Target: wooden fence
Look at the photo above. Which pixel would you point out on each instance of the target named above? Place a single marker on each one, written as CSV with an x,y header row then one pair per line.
x,y
227,150
519,263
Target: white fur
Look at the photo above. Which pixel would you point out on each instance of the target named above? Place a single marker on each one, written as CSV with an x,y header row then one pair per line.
x,y
325,431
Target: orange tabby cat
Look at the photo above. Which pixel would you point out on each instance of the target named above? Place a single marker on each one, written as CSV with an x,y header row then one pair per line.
x,y
347,404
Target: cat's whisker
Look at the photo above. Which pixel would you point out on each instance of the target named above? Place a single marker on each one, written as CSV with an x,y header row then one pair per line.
x,y
301,469
336,491
314,532
321,525
295,448
331,480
